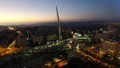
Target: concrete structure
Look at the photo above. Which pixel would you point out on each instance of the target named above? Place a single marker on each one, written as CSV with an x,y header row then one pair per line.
x,y
59,25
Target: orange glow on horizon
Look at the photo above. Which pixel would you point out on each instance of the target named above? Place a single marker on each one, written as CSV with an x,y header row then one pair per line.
x,y
28,18
17,17
22,18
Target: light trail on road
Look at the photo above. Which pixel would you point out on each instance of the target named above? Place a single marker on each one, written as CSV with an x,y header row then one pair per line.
x,y
90,58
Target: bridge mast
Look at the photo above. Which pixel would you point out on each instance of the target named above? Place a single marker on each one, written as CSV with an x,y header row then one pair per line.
x,y
59,25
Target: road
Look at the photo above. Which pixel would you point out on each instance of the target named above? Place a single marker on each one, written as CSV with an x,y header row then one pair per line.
x,y
37,56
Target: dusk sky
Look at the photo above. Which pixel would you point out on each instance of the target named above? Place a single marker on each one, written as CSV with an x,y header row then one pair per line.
x,y
32,11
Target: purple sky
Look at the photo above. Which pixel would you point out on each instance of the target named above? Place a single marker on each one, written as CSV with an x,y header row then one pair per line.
x,y
31,11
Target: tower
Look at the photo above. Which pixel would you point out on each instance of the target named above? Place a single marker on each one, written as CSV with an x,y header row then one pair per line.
x,y
59,25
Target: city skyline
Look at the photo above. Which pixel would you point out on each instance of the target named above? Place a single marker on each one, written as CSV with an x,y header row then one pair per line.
x,y
31,11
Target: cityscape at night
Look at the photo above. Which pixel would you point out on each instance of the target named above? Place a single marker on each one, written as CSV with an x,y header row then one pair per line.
x,y
59,34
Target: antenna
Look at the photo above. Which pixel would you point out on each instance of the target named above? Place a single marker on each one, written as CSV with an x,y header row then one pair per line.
x,y
59,26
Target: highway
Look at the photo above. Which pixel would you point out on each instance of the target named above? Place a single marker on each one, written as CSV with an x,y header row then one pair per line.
x,y
38,56
18,60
